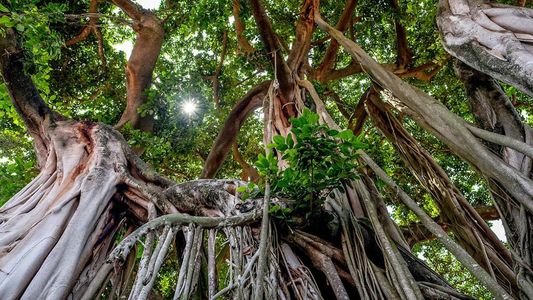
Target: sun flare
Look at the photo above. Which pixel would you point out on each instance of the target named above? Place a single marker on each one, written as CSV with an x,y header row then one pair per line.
x,y
189,107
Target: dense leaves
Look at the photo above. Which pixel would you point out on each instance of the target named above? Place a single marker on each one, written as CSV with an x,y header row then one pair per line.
x,y
73,81
315,160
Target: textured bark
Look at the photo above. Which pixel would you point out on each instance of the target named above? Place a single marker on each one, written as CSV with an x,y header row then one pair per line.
x,y
141,64
228,134
469,228
58,231
24,96
495,112
492,38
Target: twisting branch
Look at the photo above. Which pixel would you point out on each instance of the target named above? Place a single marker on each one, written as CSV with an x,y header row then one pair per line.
x,y
424,72
244,45
91,27
227,135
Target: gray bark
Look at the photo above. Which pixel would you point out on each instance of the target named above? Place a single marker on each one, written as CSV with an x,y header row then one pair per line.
x,y
494,39
494,112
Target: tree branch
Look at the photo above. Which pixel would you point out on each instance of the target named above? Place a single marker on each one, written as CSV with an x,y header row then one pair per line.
x,y
404,54
140,64
304,32
268,36
326,66
416,232
244,45
227,136
35,113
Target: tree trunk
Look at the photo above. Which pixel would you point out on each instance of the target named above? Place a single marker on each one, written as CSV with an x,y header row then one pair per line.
x,y
492,38
494,112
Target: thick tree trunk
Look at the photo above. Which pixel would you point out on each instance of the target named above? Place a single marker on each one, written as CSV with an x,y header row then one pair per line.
x,y
492,38
494,112
51,228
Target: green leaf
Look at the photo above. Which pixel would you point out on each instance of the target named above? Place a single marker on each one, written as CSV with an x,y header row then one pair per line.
x,y
346,135
3,9
6,21
278,139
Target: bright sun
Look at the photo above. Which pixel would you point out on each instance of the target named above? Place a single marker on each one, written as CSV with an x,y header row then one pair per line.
x,y
189,107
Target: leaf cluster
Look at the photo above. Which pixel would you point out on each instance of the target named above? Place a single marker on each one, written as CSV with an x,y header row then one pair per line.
x,y
317,159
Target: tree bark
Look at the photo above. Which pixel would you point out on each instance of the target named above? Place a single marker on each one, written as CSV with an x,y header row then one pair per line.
x,y
492,38
24,96
141,64
494,112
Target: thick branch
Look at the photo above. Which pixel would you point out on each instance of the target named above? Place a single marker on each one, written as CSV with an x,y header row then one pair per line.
x,y
304,32
226,137
268,36
132,9
141,63
244,45
24,95
502,140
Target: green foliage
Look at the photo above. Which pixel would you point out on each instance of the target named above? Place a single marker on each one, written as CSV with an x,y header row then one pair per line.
x,y
443,262
318,161
73,82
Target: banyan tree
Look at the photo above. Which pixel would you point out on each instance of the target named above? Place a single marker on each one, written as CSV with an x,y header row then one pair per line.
x,y
365,115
